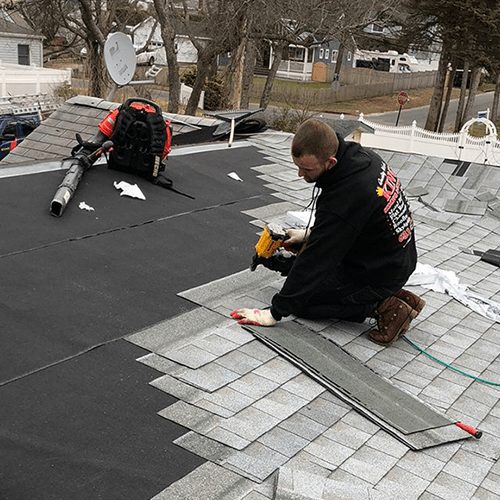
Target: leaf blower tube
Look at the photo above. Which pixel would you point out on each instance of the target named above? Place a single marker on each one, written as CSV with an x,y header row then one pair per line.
x,y
79,163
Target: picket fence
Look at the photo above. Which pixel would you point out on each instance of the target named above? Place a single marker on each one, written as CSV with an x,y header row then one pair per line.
x,y
457,146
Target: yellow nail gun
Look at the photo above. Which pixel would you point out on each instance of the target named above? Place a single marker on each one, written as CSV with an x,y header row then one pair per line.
x,y
269,251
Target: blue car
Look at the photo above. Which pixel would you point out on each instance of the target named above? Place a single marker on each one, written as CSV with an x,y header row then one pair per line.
x,y
13,129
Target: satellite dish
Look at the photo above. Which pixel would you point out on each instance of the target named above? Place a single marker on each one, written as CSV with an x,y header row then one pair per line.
x,y
120,59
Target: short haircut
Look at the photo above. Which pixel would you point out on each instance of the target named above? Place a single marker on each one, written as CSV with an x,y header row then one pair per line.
x,y
315,138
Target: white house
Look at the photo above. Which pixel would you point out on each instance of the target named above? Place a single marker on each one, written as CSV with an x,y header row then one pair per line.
x,y
21,63
20,45
186,52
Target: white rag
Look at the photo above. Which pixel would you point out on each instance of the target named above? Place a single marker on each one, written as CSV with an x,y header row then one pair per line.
x,y
235,176
448,282
131,190
84,206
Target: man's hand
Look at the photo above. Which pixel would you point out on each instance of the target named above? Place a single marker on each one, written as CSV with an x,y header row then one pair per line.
x,y
254,317
295,237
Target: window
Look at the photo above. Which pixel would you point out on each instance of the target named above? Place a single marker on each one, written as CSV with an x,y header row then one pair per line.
x,y
377,29
349,56
327,53
296,53
334,55
23,54
321,51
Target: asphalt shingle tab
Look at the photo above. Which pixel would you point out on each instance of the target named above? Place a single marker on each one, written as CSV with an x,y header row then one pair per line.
x,y
209,377
204,447
214,481
229,398
303,426
256,462
175,387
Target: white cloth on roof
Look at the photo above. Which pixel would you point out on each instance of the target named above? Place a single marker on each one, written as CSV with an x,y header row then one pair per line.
x,y
448,282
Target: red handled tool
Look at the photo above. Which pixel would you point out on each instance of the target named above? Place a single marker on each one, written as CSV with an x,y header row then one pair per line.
x,y
470,429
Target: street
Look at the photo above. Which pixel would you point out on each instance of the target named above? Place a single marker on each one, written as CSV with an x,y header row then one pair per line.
x,y
481,103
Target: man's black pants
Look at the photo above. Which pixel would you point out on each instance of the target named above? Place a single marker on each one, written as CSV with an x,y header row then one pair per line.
x,y
339,297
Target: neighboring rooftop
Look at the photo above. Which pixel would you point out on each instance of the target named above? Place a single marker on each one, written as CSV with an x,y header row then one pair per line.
x,y
55,137
9,28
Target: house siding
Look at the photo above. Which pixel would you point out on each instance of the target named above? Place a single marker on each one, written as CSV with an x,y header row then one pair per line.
x,y
9,53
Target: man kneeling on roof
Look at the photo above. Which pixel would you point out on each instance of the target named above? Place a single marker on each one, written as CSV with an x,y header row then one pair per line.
x,y
360,251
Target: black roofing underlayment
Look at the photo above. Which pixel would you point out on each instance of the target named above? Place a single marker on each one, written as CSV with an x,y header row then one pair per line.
x,y
78,416
93,276
88,429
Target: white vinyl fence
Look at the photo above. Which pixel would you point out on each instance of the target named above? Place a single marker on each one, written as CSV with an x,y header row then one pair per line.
x,y
456,146
16,79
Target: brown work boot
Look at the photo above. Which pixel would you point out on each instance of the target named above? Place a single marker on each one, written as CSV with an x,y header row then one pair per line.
x,y
393,320
414,301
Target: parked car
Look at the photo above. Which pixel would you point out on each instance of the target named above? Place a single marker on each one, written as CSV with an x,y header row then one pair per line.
x,y
13,130
154,54
147,57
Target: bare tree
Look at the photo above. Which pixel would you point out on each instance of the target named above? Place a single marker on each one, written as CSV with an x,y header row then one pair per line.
x,y
493,70
449,88
437,96
92,23
467,30
40,17
215,31
238,27
165,14
496,96
459,119
278,46
305,22
474,84
234,81
88,20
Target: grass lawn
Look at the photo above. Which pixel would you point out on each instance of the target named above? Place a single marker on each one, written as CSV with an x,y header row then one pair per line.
x,y
379,104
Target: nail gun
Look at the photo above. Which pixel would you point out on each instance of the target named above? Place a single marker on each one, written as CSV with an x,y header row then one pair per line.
x,y
269,250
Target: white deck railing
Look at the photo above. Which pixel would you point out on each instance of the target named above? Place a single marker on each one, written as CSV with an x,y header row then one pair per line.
x,y
457,146
295,69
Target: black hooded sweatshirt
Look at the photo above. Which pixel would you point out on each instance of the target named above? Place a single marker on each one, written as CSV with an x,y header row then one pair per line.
x,y
362,224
